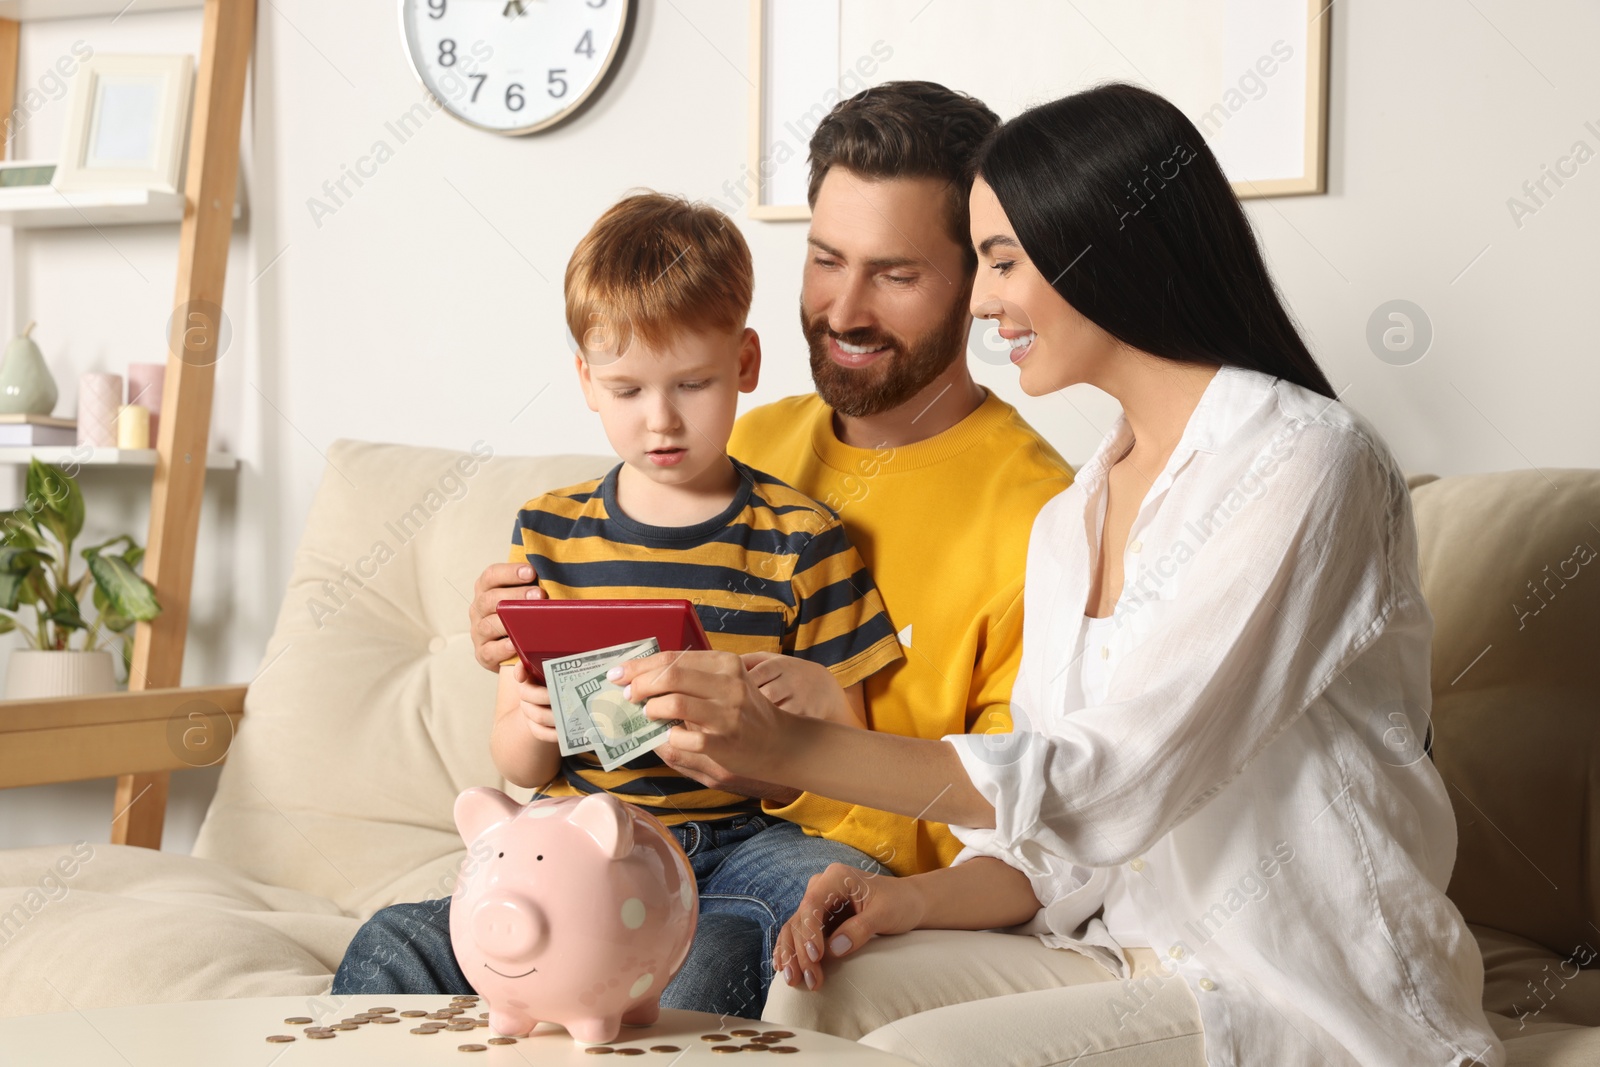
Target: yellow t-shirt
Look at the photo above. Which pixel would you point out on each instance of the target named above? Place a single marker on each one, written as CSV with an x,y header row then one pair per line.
x,y
943,526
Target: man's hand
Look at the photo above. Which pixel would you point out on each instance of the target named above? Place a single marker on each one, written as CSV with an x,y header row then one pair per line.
x,y
802,687
714,776
499,581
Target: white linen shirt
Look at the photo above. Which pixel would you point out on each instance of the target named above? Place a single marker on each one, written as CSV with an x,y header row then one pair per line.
x,y
1256,769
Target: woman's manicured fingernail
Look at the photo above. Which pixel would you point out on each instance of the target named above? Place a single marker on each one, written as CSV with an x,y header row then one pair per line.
x,y
811,980
811,950
788,974
614,673
627,691
840,945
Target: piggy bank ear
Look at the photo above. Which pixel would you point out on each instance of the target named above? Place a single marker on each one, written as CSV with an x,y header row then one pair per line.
x,y
479,808
603,818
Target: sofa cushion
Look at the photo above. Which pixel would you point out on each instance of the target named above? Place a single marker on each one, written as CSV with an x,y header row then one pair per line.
x,y
102,925
369,714
1511,571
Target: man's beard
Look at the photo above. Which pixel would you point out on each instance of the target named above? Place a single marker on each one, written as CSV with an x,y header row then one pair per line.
x,y
896,377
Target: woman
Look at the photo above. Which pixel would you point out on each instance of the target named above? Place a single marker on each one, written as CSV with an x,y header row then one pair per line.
x,y
1215,759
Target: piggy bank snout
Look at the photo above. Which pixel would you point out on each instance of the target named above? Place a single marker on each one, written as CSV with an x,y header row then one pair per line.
x,y
509,926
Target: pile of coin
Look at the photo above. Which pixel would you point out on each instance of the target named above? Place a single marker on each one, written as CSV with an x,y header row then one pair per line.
x,y
753,1041
455,1019
447,1019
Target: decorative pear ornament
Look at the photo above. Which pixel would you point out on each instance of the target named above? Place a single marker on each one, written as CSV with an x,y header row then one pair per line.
x,y
26,387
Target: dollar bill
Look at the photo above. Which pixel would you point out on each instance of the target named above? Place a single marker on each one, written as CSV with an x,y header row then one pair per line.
x,y
590,712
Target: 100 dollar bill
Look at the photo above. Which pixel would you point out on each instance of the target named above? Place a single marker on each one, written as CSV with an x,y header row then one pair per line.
x,y
579,692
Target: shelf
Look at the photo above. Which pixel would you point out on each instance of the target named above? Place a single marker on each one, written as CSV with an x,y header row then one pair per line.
x,y
103,457
44,207
40,10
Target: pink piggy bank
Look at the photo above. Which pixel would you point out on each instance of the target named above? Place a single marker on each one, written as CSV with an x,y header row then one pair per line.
x,y
571,910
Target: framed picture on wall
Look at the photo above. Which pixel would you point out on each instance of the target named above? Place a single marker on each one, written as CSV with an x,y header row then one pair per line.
x,y
127,124
1251,74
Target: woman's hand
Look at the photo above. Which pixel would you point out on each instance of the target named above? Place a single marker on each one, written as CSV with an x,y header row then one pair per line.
x,y
843,907
725,716
802,687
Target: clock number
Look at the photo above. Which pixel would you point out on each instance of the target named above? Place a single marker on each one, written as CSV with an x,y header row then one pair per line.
x,y
585,45
436,8
476,89
556,80
447,53
514,100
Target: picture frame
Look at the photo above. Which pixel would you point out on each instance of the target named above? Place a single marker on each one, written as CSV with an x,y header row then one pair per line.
x,y
806,55
127,124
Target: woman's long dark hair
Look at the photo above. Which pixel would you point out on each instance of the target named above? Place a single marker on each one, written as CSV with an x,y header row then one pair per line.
x,y
1122,207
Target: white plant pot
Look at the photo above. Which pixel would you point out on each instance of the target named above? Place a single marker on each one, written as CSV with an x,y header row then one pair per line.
x,y
32,673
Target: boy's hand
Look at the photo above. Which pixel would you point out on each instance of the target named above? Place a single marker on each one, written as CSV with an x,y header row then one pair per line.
x,y
802,687
536,707
843,907
499,581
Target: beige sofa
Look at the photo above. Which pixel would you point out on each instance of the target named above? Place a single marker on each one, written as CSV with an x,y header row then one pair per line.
x,y
369,715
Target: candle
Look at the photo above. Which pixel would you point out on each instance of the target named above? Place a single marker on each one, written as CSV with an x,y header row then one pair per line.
x,y
145,383
99,396
133,426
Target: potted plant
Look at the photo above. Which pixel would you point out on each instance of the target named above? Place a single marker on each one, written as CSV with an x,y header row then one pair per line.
x,y
35,572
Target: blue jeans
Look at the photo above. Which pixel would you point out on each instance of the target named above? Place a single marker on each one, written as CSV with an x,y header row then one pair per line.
x,y
752,872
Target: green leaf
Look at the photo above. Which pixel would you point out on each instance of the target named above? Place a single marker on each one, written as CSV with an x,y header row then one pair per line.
x,y
18,529
59,499
127,593
7,624
66,613
134,555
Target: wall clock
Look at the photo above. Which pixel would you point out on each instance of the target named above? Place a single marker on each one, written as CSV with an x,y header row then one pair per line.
x,y
515,66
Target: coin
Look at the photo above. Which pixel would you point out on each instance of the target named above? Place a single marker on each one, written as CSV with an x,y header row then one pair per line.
x,y
439,1015
452,1010
356,1020
480,1022
425,1030
380,1011
726,1048
318,1035
764,1039
462,1026
778,1033
754,1047
744,1033
665,1048
483,1015
472,1048
278,1039
347,1026
414,1014
782,1048
502,1041
599,1050
297,1020
630,1052
713,1037
385,1019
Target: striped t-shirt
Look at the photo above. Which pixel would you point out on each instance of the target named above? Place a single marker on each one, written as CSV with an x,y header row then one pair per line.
x,y
774,572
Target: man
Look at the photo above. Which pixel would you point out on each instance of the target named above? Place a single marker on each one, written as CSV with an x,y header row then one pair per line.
x,y
936,480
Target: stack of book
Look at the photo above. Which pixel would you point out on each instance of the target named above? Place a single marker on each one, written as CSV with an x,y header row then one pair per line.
x,y
25,430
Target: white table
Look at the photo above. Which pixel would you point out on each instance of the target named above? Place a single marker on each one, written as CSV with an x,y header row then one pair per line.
x,y
225,1033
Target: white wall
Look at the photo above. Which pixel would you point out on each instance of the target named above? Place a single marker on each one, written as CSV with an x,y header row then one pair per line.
x,y
427,308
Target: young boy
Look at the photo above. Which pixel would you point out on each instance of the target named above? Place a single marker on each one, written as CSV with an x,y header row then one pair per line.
x,y
656,296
